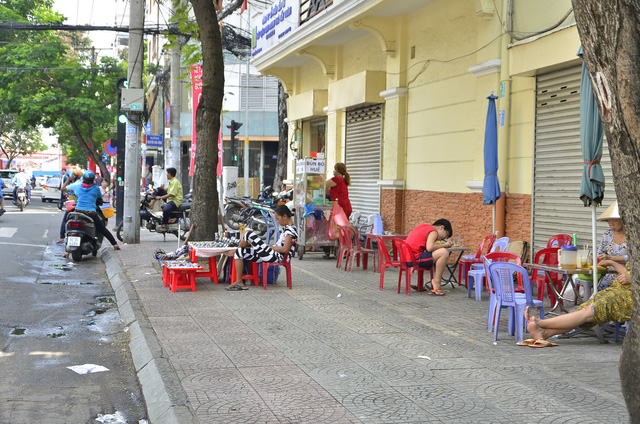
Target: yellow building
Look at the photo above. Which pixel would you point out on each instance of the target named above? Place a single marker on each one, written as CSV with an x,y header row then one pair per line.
x,y
397,89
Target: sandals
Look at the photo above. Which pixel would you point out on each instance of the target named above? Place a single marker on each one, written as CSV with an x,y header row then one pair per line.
x,y
437,292
538,344
116,247
527,342
235,287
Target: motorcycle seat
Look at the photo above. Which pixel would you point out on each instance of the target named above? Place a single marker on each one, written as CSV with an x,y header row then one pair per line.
x,y
184,207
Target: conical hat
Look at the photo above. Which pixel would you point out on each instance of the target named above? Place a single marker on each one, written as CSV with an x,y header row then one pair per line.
x,y
610,213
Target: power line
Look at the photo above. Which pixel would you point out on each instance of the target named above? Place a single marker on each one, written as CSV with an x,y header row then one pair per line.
x,y
64,27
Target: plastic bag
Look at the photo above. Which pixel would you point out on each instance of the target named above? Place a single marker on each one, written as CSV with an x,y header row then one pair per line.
x,y
338,218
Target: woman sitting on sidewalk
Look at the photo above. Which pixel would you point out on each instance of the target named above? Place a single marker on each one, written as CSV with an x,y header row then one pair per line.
x,y
612,304
252,247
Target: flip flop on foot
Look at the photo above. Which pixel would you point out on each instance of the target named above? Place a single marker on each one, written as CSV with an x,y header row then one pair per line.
x,y
540,343
527,342
437,292
235,287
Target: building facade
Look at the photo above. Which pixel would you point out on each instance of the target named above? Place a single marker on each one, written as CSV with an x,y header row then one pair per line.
x,y
397,89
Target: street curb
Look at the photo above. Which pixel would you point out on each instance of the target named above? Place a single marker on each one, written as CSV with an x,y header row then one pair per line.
x,y
166,400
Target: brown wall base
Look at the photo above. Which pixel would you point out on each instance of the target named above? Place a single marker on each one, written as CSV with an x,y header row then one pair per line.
x,y
402,210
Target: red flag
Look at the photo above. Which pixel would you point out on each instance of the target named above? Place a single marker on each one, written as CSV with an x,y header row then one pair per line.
x,y
244,6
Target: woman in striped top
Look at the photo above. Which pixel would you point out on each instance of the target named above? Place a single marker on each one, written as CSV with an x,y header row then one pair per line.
x,y
252,247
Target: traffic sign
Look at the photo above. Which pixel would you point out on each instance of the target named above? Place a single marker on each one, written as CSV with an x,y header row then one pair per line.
x,y
109,149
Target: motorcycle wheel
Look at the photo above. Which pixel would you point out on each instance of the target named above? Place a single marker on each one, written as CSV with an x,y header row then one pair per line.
x,y
300,252
228,217
119,231
76,255
20,205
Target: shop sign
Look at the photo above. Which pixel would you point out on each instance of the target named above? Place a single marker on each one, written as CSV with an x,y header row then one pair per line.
x,y
311,166
274,25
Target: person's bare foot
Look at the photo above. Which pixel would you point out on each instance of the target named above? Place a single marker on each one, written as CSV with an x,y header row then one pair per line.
x,y
532,325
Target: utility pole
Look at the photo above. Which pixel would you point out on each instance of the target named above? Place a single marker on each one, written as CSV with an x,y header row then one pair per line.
x,y
246,117
175,95
133,168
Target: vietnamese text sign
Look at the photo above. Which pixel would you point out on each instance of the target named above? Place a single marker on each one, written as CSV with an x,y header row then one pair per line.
x,y
274,25
154,141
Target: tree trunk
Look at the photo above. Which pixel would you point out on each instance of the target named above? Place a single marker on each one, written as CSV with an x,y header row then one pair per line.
x,y
283,141
611,43
204,212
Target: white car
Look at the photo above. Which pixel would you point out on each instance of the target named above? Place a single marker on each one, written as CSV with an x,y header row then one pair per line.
x,y
7,175
51,190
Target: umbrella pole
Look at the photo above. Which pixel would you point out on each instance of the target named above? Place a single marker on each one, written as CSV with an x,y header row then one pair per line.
x,y
595,250
493,218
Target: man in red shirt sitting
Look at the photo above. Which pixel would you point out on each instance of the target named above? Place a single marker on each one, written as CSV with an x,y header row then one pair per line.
x,y
428,253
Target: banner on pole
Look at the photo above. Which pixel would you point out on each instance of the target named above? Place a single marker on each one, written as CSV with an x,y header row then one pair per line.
x,y
196,87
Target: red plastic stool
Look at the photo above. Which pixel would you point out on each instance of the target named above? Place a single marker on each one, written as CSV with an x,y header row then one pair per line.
x,y
286,263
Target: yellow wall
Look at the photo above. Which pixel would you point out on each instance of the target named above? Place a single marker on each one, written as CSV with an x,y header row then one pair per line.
x,y
433,138
442,138
532,16
310,77
521,135
364,53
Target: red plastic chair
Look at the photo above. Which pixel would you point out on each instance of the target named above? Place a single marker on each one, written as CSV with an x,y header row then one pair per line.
x,y
384,259
357,251
560,240
345,250
549,257
467,261
406,256
286,263
506,257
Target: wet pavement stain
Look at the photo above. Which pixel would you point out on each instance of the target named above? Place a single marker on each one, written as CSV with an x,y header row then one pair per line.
x,y
18,331
55,335
106,300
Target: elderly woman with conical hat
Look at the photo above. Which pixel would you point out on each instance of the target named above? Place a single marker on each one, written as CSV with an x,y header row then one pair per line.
x,y
613,246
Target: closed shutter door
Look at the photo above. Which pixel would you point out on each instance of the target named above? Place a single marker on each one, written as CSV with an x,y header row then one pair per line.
x,y
363,152
558,162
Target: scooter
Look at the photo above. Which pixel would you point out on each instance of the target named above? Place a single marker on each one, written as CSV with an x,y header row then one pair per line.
x,y
179,222
21,200
81,236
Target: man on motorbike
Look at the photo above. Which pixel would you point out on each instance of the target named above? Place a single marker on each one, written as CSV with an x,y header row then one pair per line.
x,y
21,180
173,196
87,194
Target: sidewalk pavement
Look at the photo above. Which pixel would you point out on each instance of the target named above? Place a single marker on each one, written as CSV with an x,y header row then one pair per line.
x,y
336,349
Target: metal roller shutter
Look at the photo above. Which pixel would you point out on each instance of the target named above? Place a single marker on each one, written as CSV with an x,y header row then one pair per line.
x,y
362,157
557,207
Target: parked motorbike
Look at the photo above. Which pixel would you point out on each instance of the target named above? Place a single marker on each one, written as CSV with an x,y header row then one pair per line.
x,y
179,223
21,200
82,237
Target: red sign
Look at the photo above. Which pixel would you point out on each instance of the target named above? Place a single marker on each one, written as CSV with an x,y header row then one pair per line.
x,y
196,88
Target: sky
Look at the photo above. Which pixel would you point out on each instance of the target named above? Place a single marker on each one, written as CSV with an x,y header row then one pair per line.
x,y
95,12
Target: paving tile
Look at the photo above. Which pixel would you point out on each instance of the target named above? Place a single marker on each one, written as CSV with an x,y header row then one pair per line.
x,y
336,349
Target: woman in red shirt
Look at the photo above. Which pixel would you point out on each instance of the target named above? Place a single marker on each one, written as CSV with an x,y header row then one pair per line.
x,y
337,187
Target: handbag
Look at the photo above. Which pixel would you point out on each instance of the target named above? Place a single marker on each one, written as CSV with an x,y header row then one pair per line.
x,y
338,218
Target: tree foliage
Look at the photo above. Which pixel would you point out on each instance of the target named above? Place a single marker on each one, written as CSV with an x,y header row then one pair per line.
x,y
18,141
53,82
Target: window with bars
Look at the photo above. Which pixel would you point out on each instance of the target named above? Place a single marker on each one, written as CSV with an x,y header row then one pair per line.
x,y
263,93
310,8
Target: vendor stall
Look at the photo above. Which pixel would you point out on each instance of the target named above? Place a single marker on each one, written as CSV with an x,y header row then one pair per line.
x,y
313,210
